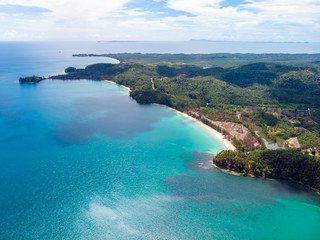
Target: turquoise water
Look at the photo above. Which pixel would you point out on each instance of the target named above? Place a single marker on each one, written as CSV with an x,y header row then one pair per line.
x,y
81,160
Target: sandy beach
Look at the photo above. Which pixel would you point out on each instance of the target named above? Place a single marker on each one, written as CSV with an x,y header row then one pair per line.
x,y
127,88
226,143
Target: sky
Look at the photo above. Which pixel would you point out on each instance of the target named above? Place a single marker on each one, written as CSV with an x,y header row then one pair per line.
x,y
160,20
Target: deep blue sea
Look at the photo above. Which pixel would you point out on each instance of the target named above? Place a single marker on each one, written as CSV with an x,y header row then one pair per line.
x,y
81,160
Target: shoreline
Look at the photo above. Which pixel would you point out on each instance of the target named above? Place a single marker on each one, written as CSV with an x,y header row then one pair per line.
x,y
96,55
234,173
127,88
217,135
227,171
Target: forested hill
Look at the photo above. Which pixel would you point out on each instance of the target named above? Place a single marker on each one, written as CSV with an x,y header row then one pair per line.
x,y
188,86
280,102
216,59
285,164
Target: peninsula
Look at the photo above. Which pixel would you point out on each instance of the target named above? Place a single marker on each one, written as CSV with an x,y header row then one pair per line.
x,y
250,99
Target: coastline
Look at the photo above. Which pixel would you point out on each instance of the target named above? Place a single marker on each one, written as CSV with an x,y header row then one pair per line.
x,y
227,171
127,88
217,135
226,143
96,55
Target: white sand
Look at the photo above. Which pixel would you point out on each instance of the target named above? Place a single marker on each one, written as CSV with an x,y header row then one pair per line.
x,y
227,144
127,88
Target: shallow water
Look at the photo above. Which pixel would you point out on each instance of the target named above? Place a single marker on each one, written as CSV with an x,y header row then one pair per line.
x,y
81,160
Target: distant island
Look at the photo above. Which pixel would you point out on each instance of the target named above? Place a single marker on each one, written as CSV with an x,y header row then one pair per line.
x,y
235,41
251,99
32,79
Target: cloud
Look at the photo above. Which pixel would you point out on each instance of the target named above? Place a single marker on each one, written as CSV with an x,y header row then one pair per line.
x,y
277,20
18,10
195,7
68,9
253,20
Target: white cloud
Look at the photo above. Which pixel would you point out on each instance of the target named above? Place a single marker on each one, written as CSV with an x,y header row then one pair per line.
x,y
280,20
67,9
283,20
194,6
284,11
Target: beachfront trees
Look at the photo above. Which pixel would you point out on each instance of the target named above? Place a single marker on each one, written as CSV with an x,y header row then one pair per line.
x,y
289,164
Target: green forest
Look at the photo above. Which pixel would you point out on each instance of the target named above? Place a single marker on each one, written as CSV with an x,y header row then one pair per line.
x,y
277,100
289,164
214,59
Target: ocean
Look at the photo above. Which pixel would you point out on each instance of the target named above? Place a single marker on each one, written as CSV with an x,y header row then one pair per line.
x,y
81,160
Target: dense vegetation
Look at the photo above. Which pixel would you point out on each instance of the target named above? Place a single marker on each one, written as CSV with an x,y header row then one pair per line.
x,y
281,102
216,59
32,79
289,164
261,92
256,84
